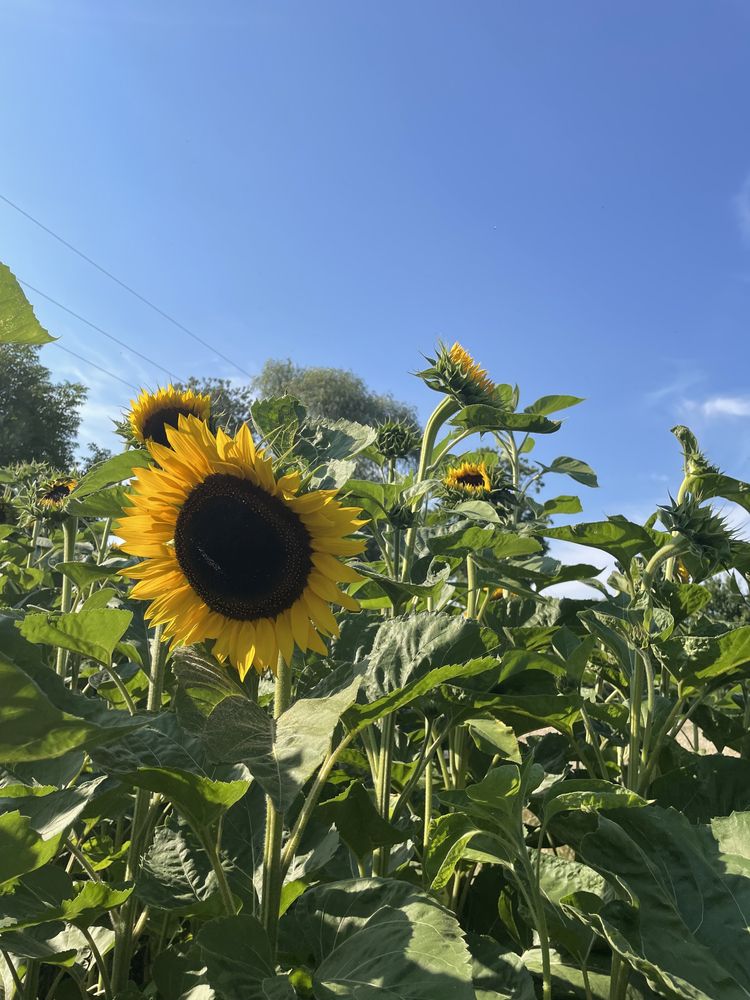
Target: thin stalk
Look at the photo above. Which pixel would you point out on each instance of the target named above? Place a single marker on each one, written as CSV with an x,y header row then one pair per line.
x,y
445,408
667,551
272,872
537,908
101,550
100,964
381,855
211,847
13,972
120,685
34,539
593,740
636,697
156,673
427,808
311,802
471,587
396,553
70,527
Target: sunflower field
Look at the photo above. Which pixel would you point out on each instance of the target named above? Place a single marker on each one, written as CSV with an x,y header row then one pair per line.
x,y
269,730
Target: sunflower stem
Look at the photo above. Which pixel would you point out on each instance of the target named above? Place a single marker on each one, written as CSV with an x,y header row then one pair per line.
x,y
70,528
272,871
381,855
34,539
124,940
471,587
445,408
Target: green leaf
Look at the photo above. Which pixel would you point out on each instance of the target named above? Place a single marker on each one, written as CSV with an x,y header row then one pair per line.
x,y
51,812
345,930
22,848
503,544
498,973
176,874
684,923
109,501
708,786
94,632
551,404
200,800
589,795
562,505
359,716
713,484
281,754
621,538
117,469
408,647
450,836
238,957
575,468
494,737
481,417
18,324
701,661
360,825
83,574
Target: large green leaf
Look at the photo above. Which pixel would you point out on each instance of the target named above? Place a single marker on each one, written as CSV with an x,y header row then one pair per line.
x,y
475,539
575,468
117,469
22,848
707,786
18,324
176,874
408,647
684,920
358,822
552,404
51,812
238,957
92,632
621,538
281,754
50,894
481,417
498,973
700,661
371,938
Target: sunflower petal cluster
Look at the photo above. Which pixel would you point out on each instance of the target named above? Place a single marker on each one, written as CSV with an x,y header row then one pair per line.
x,y
455,372
153,412
475,481
52,497
234,554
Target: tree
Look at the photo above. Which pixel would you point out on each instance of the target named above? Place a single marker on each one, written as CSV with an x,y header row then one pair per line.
x,y
39,418
330,393
729,603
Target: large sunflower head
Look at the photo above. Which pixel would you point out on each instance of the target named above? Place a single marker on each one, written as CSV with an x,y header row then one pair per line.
x,y
471,479
455,372
53,496
234,554
153,412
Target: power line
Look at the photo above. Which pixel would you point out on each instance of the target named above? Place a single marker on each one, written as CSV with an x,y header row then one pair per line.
x,y
122,284
93,364
98,329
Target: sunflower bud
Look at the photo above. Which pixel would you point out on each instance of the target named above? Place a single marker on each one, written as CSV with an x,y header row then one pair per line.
x,y
707,534
396,439
457,374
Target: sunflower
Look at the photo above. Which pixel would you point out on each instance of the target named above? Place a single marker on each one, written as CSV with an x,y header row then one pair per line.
x,y
53,495
232,553
153,412
471,477
454,371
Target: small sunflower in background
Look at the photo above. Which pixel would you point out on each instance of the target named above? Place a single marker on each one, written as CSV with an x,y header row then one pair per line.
x,y
52,498
470,478
153,412
455,372
233,554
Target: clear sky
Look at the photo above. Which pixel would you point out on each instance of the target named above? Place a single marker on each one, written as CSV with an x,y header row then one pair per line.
x,y
564,187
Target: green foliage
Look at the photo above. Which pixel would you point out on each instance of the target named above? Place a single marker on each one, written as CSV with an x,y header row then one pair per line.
x,y
46,414
476,791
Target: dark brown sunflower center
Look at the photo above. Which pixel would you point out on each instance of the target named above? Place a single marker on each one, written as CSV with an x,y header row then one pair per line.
x,y
244,552
155,426
471,479
57,493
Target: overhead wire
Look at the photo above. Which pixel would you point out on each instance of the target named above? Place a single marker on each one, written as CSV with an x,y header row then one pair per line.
x,y
93,364
99,329
123,284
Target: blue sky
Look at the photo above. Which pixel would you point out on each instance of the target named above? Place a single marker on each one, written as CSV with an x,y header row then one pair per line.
x,y
563,187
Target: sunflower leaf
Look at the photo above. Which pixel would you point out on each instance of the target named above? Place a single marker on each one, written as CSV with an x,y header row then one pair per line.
x,y
93,632
18,324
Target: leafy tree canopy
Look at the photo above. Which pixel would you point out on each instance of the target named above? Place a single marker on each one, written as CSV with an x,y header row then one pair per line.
x,y
330,393
39,418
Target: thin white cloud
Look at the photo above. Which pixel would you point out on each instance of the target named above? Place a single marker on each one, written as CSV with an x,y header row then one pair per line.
x,y
719,406
742,208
